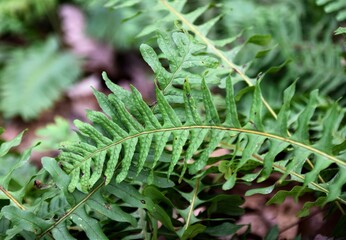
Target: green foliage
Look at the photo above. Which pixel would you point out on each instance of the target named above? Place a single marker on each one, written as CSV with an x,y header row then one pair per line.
x,y
101,22
186,59
297,46
53,134
17,15
314,58
123,135
143,172
34,78
337,7
340,30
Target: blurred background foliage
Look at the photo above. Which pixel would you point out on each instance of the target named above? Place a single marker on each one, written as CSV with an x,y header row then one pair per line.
x,y
37,64
301,41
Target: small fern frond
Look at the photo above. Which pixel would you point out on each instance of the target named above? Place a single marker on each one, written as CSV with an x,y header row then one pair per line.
x,y
111,146
183,53
337,6
41,73
172,11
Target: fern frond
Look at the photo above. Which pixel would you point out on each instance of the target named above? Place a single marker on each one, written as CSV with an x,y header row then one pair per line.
x,y
172,11
183,54
110,148
34,78
337,7
314,59
202,31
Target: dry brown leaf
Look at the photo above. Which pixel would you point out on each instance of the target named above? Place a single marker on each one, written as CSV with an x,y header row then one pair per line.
x,y
98,56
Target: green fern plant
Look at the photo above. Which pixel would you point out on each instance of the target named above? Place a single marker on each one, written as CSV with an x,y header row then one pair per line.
x,y
294,49
137,165
296,37
122,135
34,78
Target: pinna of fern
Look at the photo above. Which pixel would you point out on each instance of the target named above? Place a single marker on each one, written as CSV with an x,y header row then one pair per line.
x,y
128,132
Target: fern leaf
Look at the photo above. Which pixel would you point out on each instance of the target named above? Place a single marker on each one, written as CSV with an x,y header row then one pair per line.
x,y
112,162
23,220
304,118
338,6
192,118
129,147
179,141
172,11
255,117
212,117
281,127
231,109
149,119
6,146
41,74
89,225
170,119
114,145
79,214
144,144
183,54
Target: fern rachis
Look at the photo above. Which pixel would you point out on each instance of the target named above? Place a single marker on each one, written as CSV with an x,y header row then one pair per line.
x,y
109,147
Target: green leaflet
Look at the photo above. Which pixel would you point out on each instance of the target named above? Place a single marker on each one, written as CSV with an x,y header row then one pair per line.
x,y
255,116
281,195
340,30
223,229
61,232
179,141
131,196
23,220
89,225
273,233
13,166
183,53
308,205
192,231
212,117
302,132
282,120
79,215
6,146
231,112
265,190
53,134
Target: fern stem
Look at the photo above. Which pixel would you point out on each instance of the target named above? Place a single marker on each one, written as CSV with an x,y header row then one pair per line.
x,y
12,198
221,128
217,52
192,205
232,129
68,213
